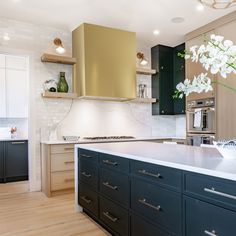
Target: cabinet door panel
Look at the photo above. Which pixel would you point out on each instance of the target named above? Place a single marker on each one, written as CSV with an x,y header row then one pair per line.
x,y
1,162
2,93
16,160
17,93
2,61
203,218
16,62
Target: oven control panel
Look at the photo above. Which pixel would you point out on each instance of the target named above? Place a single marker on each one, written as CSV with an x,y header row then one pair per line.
x,y
201,103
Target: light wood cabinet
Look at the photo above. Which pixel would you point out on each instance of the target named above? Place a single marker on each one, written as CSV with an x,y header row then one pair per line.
x,y
57,168
225,98
195,69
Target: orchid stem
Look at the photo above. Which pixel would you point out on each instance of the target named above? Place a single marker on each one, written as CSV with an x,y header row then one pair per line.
x,y
224,85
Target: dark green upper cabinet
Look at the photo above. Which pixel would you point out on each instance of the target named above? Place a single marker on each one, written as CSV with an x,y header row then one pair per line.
x,y
170,71
162,82
179,76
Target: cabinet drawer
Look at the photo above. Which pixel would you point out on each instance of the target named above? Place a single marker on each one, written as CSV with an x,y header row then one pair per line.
x,y
88,155
163,175
62,180
62,148
88,199
88,173
115,186
157,204
219,191
114,162
140,227
115,217
62,162
204,219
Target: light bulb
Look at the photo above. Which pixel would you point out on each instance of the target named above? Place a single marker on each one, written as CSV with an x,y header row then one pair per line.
x,y
60,49
144,62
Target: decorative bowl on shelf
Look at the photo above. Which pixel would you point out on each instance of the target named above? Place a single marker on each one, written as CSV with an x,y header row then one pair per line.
x,y
227,148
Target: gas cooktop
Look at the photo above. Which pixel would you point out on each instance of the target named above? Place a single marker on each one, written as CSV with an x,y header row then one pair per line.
x,y
109,137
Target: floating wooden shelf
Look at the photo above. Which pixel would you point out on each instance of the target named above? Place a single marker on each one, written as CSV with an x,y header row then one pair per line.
x,y
145,71
59,95
58,59
144,100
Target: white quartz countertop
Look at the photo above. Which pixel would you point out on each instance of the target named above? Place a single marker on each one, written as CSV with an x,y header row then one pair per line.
x,y
195,159
85,141
13,139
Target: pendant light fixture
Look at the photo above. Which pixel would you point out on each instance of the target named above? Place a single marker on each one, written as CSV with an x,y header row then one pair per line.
x,y
60,48
219,4
142,60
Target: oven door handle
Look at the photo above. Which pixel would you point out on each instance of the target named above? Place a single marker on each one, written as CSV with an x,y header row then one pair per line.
x,y
202,109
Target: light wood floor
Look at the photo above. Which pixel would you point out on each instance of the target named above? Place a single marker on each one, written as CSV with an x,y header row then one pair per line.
x,y
33,214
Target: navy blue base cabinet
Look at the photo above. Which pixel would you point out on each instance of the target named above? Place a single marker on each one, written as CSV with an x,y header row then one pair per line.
x,y
133,198
13,161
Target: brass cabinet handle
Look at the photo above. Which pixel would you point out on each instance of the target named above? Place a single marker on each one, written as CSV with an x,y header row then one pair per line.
x,y
109,216
212,233
110,186
144,202
108,162
69,162
85,199
68,149
144,172
84,155
19,142
213,191
69,180
86,175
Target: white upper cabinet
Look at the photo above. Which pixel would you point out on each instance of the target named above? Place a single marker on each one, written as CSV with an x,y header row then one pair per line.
x,y
13,87
2,93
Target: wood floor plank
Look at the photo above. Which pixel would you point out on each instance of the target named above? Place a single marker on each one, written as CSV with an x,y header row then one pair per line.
x,y
33,214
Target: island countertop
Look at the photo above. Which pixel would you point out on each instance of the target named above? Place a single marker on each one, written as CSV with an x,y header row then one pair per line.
x,y
195,159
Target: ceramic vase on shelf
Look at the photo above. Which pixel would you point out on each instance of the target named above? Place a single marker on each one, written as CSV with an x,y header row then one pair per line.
x,y
62,85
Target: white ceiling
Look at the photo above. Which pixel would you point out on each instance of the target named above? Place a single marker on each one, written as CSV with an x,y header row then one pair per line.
x,y
140,16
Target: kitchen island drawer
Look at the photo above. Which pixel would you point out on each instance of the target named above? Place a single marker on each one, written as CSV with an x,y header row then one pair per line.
x,y
88,199
62,148
62,162
88,173
140,227
88,155
62,180
157,204
216,190
115,186
204,219
114,162
162,175
115,217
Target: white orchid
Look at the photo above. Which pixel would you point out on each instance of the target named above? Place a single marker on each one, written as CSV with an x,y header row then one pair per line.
x,y
217,56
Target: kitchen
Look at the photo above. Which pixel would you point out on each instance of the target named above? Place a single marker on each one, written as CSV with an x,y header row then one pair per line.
x,y
52,115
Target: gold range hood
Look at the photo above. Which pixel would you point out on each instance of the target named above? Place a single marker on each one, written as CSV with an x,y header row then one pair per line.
x,y
106,63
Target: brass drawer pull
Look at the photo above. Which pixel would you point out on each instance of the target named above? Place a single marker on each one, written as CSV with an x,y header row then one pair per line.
x,y
88,201
15,143
212,233
69,149
110,186
86,156
109,216
69,162
144,202
69,180
110,162
213,191
86,175
144,172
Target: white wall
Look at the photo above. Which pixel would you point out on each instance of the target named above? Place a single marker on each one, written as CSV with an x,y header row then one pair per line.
x,y
85,117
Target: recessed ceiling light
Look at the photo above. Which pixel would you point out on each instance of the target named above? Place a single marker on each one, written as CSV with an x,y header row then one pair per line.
x,y
177,20
200,7
156,32
16,1
6,37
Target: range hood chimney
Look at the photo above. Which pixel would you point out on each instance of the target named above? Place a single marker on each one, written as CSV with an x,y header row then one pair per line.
x,y
106,63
